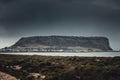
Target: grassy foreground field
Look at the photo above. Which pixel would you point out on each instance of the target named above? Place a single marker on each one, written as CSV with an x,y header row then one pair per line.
x,y
61,68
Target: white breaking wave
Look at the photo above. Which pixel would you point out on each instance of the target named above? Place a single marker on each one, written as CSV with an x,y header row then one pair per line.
x,y
81,54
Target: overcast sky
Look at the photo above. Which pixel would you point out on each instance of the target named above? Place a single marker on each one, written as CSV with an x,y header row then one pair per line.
x,y
19,18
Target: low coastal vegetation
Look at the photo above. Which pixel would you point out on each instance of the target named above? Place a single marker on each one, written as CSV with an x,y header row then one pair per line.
x,y
34,67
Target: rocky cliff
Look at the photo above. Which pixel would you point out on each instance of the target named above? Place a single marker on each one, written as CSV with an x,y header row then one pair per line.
x,y
62,43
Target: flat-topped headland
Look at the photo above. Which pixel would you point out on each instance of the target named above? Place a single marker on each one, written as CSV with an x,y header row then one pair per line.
x,y
60,44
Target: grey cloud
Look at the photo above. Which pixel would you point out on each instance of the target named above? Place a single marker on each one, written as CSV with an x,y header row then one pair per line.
x,y
77,17
5,1
23,11
17,12
111,4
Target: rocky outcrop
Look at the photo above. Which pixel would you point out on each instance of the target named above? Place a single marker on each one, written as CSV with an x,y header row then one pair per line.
x,y
62,43
36,76
4,76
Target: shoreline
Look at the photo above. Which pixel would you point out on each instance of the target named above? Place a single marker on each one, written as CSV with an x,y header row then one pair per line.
x,y
67,54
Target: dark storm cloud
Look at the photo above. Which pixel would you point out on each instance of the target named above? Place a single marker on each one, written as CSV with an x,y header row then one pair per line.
x,y
23,11
73,17
17,13
5,1
19,10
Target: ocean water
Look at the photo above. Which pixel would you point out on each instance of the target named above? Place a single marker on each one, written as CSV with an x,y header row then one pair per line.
x,y
81,54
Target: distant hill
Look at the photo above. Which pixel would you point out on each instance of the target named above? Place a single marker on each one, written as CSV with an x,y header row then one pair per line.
x,y
61,43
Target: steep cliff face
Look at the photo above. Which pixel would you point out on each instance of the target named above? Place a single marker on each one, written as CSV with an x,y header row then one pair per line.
x,y
101,43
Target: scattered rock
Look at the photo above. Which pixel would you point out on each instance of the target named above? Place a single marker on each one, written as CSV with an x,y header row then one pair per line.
x,y
97,60
4,76
15,67
36,76
70,69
